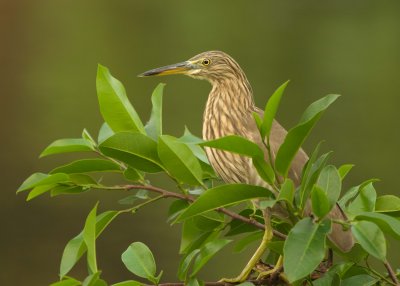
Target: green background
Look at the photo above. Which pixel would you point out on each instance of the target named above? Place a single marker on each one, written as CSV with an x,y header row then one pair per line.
x,y
48,60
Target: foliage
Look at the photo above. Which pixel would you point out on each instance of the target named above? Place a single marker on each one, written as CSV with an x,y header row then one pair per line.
x,y
128,147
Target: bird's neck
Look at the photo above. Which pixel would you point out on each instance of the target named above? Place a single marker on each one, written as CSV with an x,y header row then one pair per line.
x,y
229,104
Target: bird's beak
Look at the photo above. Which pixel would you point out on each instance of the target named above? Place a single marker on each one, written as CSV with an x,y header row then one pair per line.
x,y
179,68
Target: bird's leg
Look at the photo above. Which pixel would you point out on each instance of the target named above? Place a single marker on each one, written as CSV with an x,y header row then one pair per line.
x,y
276,268
259,252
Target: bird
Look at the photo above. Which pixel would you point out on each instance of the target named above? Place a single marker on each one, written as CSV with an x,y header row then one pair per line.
x,y
229,111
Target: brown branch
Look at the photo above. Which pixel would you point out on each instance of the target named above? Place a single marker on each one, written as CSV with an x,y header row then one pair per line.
x,y
392,275
254,281
168,194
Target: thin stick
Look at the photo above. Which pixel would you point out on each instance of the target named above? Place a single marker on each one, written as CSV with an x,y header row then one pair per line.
x,y
392,275
168,194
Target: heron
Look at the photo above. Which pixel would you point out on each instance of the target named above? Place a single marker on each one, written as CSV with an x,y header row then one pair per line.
x,y
229,111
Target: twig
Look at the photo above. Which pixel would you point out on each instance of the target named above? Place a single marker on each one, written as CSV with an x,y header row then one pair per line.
x,y
392,275
254,281
168,194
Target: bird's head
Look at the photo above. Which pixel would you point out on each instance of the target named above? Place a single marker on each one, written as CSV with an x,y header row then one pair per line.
x,y
214,66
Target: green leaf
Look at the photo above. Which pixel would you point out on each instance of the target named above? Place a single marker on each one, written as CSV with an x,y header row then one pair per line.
x,y
297,135
128,283
242,146
364,202
86,166
245,241
206,253
387,223
179,160
287,192
310,174
320,202
194,282
115,107
185,264
94,280
192,142
140,261
76,247
66,146
329,181
105,132
39,190
344,170
67,282
67,190
238,227
154,126
133,175
359,280
354,191
387,203
371,238
236,144
224,195
135,149
304,248
89,237
246,284
271,109
40,179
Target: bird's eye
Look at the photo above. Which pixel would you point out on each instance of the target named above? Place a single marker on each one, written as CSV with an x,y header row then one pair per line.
x,y
205,62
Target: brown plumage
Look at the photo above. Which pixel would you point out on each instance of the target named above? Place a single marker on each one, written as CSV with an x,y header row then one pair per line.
x,y
229,111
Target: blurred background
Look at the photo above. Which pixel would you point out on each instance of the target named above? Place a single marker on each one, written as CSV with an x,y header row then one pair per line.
x,y
48,58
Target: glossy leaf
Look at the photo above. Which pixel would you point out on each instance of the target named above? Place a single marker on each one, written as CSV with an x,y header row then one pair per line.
x,y
387,203
179,160
135,149
67,146
89,237
40,179
133,175
128,283
286,192
304,248
105,132
39,190
320,202
76,247
185,264
359,280
364,202
271,109
353,192
297,135
311,174
329,181
86,166
371,238
387,223
206,253
224,195
236,144
140,261
245,241
344,170
94,280
154,126
192,142
67,190
67,282
115,107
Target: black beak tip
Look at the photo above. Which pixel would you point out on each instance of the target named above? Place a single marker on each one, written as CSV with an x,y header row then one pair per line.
x,y
148,73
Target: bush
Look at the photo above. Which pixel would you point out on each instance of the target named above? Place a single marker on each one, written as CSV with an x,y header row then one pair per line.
x,y
295,249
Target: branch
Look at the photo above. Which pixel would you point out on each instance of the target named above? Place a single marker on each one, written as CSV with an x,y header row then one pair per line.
x,y
168,194
392,275
254,281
